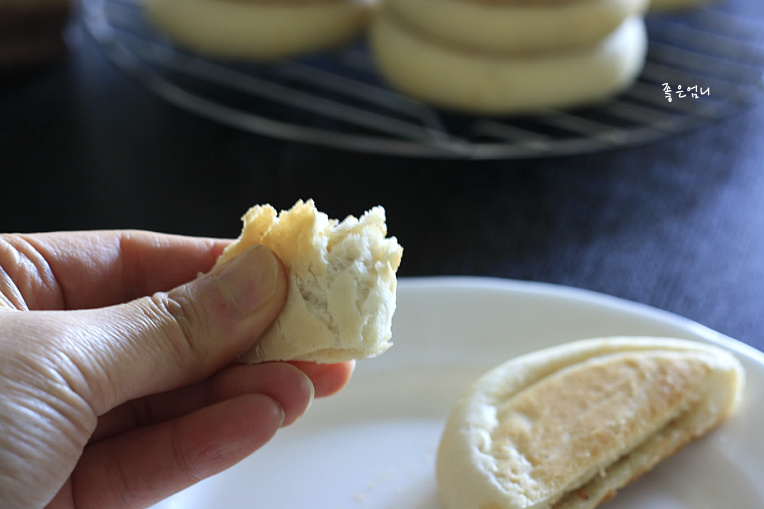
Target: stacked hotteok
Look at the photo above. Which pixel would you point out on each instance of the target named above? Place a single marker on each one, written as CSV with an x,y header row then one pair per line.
x,y
494,57
510,56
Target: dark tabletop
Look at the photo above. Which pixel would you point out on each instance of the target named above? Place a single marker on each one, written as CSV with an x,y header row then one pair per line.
x,y
677,224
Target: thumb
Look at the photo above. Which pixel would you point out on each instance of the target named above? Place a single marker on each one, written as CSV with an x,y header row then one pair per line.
x,y
170,339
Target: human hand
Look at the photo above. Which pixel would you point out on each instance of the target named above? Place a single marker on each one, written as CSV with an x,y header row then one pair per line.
x,y
117,387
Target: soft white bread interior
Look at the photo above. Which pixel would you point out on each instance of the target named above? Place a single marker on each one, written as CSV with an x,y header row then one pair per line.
x,y
259,29
565,427
342,283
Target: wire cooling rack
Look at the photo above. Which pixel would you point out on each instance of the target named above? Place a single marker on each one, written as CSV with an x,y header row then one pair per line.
x,y
708,61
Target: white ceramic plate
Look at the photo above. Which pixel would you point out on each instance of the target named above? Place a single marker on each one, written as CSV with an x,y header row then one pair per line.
x,y
374,444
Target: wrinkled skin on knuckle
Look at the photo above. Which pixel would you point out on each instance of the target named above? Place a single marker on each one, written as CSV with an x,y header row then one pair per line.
x,y
26,279
183,324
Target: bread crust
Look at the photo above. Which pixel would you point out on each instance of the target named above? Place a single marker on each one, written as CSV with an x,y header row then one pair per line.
x,y
500,84
342,283
517,439
257,29
517,26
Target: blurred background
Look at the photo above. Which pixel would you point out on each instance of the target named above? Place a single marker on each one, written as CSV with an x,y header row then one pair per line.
x,y
673,219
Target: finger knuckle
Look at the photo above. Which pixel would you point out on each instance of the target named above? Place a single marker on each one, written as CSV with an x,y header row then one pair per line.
x,y
183,324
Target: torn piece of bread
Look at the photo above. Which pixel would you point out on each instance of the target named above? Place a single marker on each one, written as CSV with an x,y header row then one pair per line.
x,y
342,283
565,427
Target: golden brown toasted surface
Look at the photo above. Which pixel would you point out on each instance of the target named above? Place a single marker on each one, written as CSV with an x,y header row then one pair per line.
x,y
567,426
560,429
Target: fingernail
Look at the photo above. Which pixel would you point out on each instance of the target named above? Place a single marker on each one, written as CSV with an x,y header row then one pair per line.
x,y
248,280
282,413
308,384
312,397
